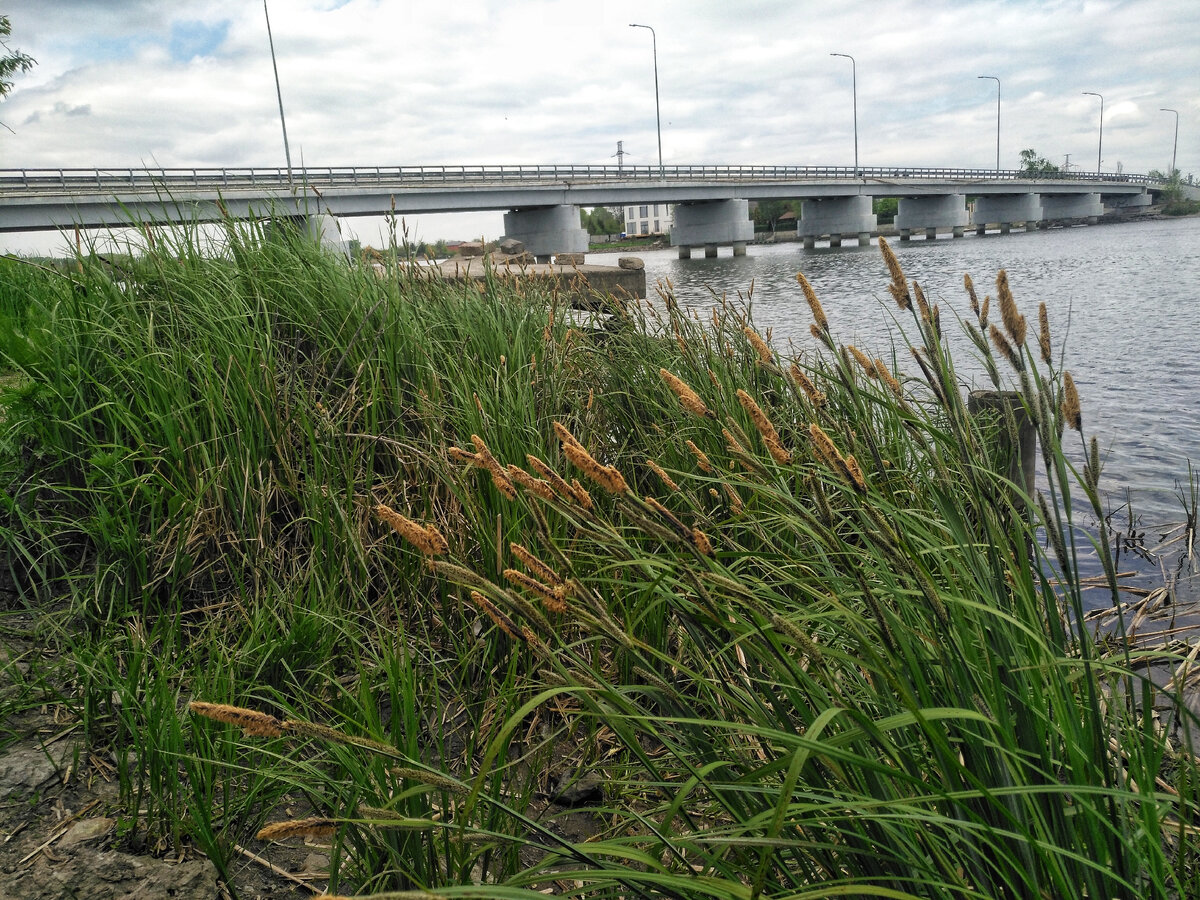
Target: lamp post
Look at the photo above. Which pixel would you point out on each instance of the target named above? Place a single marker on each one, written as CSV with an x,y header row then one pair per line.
x,y
1100,147
854,96
997,80
1174,146
279,94
657,113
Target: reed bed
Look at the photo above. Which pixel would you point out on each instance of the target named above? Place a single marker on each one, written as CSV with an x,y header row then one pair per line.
x,y
430,556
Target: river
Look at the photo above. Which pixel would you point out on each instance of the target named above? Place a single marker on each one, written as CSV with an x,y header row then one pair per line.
x,y
1124,307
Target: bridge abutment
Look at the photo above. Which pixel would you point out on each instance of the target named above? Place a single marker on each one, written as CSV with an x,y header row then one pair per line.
x,y
712,224
930,214
547,230
837,218
1006,210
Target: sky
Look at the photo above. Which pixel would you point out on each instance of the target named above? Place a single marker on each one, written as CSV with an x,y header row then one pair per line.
x,y
170,83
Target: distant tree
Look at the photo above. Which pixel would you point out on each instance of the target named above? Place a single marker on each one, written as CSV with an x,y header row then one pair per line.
x,y
12,62
1037,166
600,220
767,213
885,209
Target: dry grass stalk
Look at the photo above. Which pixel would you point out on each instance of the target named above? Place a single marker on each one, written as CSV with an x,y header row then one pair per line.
x,y
535,565
1071,410
846,467
815,397
608,477
732,444
688,398
662,475
252,722
315,827
325,733
426,538
816,332
702,459
1014,322
499,476
899,286
703,544
679,528
582,497
458,454
503,622
983,312
855,474
553,598
818,312
533,485
864,361
1044,333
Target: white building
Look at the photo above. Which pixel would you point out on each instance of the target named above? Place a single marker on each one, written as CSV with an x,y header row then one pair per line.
x,y
653,218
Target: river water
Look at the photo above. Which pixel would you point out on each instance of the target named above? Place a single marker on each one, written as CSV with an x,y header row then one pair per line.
x,y
1124,307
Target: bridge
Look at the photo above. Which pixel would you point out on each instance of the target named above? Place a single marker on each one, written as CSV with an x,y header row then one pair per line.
x,y
542,202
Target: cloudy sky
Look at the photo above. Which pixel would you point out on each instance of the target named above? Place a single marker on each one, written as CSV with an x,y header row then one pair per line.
x,y
397,82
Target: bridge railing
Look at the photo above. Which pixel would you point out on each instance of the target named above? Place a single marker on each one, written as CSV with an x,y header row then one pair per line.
x,y
115,180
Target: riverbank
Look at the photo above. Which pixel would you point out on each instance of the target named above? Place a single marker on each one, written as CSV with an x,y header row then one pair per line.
x,y
362,573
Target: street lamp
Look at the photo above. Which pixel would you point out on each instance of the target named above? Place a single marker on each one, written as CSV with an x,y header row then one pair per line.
x,y
657,113
1174,146
854,95
1100,148
286,151
997,80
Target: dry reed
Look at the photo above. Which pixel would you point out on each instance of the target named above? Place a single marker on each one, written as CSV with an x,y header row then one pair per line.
x,y
252,722
688,398
426,538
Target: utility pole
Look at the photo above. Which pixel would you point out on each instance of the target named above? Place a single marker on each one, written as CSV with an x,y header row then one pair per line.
x,y
279,94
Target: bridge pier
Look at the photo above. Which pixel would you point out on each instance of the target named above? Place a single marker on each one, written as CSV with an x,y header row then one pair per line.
x,y
930,214
1007,209
837,218
1072,206
711,224
1119,203
547,231
321,227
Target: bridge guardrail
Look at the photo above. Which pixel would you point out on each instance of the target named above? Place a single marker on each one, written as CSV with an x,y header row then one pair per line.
x,y
111,180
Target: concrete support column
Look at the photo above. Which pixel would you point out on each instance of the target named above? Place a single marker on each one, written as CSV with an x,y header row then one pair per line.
x,y
321,227
547,231
835,217
739,248
685,252
1071,206
1006,209
931,213
1118,203
712,224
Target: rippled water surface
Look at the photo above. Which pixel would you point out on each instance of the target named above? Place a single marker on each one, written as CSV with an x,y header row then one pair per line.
x,y
1124,306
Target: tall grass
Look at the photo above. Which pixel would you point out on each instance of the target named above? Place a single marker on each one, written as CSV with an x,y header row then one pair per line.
x,y
793,615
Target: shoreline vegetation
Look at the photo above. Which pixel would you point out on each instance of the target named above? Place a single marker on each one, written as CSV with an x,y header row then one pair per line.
x,y
483,597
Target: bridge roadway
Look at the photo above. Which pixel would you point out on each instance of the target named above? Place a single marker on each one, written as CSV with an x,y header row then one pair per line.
x,y
711,201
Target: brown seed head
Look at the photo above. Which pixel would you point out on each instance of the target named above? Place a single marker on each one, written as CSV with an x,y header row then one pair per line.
x,y
662,474
922,303
534,485
777,451
815,397
701,457
606,476
426,538
688,398
535,565
735,499
1014,322
814,304
677,526
757,416
825,447
1044,334
703,544
864,361
970,286
1004,347
503,622
760,346
855,474
252,722
1071,410
312,827
983,312
499,476
899,286
881,370
552,600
